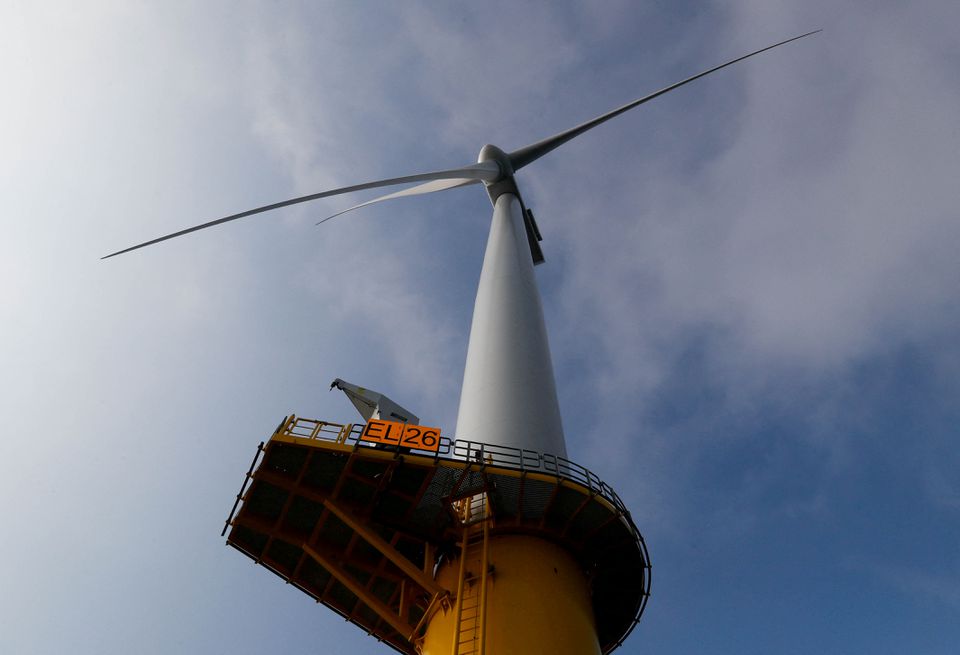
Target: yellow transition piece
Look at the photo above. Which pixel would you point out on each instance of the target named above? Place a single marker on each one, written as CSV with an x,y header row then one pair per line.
x,y
537,602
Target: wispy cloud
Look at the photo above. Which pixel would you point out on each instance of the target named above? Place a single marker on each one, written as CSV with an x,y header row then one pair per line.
x,y
750,284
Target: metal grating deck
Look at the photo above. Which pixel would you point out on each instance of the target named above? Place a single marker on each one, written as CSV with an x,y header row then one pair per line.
x,y
357,527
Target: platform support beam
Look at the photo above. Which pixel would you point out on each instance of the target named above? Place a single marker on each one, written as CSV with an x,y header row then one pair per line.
x,y
412,571
374,603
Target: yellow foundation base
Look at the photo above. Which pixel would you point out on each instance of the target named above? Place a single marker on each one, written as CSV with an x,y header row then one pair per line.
x,y
537,602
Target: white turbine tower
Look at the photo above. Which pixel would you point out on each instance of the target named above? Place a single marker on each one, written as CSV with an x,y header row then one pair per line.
x,y
508,401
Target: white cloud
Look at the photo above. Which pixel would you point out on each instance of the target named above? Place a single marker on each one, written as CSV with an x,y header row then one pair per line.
x,y
747,254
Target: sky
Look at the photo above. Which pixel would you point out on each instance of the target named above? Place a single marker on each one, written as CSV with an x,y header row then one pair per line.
x,y
750,290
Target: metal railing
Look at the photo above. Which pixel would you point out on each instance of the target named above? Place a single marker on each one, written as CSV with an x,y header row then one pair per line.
x,y
484,454
480,454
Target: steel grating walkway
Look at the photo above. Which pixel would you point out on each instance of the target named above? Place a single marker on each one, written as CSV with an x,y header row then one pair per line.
x,y
358,528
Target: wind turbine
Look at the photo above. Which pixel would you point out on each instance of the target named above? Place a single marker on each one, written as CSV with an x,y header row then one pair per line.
x,y
508,404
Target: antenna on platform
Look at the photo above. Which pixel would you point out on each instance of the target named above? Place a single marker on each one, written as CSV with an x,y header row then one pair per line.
x,y
360,529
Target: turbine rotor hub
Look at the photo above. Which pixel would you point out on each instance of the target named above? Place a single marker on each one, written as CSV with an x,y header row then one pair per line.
x,y
493,153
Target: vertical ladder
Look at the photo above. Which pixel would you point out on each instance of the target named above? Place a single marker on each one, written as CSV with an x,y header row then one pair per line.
x,y
471,612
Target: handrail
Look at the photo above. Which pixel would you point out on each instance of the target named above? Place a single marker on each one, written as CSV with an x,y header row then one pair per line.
x,y
246,479
518,459
468,451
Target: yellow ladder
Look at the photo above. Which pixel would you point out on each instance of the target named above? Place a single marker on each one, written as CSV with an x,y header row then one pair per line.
x,y
471,611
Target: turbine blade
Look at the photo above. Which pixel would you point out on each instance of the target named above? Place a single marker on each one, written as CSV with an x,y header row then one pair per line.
x,y
528,154
483,171
420,189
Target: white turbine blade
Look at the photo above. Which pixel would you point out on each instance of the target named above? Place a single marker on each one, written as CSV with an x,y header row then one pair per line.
x,y
483,171
420,189
528,154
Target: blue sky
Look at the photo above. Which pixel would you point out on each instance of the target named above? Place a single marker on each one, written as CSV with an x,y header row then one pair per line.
x,y
751,293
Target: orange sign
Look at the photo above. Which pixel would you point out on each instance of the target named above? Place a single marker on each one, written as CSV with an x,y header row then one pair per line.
x,y
401,434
